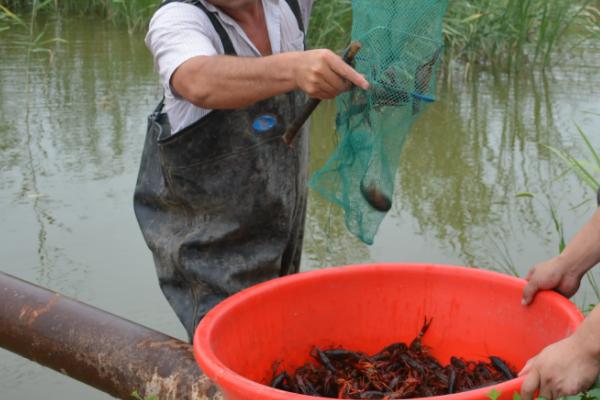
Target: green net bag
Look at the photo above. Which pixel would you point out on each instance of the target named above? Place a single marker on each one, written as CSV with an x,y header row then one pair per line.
x,y
401,49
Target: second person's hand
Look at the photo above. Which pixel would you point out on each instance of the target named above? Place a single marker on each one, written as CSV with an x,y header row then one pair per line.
x,y
562,369
554,274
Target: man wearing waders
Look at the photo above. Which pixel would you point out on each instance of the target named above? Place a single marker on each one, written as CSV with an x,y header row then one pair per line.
x,y
220,198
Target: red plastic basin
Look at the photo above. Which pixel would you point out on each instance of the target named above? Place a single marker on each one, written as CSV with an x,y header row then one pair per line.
x,y
476,313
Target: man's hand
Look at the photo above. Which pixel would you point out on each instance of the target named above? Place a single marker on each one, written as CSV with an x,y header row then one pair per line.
x,y
323,74
562,369
554,274
226,82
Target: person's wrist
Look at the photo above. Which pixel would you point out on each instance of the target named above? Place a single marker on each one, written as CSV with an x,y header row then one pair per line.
x,y
292,67
569,267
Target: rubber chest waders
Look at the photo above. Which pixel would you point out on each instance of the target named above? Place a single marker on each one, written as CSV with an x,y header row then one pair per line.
x,y
222,203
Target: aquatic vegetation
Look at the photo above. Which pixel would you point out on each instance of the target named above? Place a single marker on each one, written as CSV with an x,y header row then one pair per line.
x,y
330,24
30,39
134,14
8,19
504,34
507,34
587,170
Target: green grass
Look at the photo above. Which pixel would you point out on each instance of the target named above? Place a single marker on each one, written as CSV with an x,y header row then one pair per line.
x,y
503,34
330,24
31,41
587,170
511,33
134,14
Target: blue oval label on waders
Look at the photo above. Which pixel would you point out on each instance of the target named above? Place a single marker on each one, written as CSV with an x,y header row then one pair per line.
x,y
264,123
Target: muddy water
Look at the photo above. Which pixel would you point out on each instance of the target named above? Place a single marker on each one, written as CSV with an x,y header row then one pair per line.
x,y
72,123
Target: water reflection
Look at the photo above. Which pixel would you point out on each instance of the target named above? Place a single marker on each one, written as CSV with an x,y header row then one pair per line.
x,y
67,117
463,166
495,132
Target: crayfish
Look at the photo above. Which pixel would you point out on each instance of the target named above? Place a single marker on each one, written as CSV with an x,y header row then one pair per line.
x,y
399,371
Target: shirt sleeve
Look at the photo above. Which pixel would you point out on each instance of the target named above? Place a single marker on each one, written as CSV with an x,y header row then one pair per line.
x,y
178,32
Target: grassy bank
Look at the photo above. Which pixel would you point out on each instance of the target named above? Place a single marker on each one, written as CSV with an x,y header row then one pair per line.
x,y
504,34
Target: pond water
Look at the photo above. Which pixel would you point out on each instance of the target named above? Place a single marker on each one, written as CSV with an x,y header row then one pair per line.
x,y
72,124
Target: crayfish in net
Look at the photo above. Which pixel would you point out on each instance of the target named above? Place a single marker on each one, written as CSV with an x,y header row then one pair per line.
x,y
399,371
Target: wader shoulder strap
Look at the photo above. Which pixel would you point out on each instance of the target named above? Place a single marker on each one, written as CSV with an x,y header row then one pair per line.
x,y
225,39
297,13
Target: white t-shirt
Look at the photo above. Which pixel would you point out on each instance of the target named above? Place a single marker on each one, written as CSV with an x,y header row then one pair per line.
x,y
180,31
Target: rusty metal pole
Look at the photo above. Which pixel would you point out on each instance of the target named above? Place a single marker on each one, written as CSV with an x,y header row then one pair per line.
x,y
102,350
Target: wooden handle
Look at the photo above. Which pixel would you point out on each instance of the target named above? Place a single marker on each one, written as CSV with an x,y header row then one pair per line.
x,y
312,104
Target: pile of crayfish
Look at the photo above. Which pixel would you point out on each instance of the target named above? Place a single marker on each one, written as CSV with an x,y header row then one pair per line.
x,y
399,371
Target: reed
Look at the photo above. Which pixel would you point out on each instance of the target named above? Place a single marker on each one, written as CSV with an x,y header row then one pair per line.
x,y
134,14
510,33
330,24
504,34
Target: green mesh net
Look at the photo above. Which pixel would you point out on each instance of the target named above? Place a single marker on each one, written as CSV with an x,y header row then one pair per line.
x,y
401,49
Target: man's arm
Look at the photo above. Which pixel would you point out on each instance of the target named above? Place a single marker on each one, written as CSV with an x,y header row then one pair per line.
x,y
224,82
